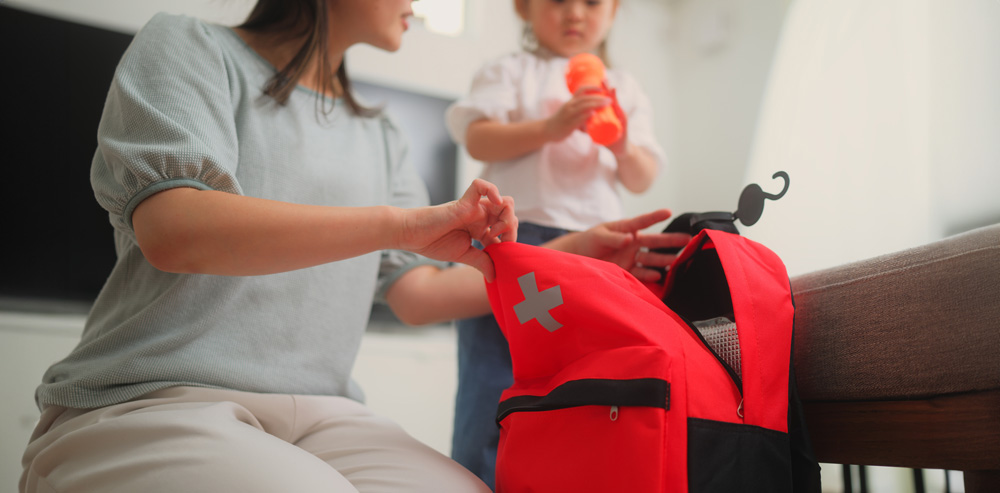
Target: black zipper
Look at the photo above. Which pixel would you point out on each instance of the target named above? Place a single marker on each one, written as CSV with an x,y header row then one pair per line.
x,y
641,392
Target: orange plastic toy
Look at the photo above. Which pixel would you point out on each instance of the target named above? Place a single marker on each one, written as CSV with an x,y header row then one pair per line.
x,y
586,69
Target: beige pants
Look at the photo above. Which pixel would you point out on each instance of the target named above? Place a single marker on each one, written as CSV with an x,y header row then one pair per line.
x,y
203,440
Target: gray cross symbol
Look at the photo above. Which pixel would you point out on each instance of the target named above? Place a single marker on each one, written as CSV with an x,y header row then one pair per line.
x,y
537,304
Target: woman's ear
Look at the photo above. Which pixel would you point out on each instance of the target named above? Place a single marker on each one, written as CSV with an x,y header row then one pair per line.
x,y
521,7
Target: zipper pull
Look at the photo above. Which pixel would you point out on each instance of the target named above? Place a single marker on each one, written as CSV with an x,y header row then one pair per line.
x,y
614,413
739,410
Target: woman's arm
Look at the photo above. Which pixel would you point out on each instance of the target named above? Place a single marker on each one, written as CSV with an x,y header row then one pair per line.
x,y
427,294
209,232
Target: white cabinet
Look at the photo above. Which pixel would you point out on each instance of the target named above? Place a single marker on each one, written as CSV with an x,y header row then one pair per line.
x,y
408,375
29,343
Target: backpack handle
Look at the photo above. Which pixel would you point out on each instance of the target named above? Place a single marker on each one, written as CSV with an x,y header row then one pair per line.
x,y
751,204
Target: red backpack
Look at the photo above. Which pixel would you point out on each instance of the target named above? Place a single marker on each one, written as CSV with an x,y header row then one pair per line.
x,y
624,387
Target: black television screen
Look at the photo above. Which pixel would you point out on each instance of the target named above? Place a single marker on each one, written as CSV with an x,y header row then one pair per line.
x,y
59,241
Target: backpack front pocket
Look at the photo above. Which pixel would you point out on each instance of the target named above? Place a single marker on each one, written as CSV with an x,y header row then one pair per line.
x,y
585,435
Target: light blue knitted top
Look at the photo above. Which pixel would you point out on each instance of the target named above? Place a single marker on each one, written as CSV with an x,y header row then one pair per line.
x,y
186,109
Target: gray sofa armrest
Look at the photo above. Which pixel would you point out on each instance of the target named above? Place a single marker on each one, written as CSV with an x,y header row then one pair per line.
x,y
897,358
917,323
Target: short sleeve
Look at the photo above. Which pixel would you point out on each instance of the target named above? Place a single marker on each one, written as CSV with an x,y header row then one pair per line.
x,y
493,96
639,110
406,190
168,120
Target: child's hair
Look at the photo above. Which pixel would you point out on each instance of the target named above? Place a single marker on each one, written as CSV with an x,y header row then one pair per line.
x,y
308,19
529,42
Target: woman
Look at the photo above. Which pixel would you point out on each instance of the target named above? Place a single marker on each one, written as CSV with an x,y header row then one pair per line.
x,y
258,212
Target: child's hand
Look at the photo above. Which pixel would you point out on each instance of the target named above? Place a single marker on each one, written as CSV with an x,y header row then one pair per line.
x,y
445,232
574,114
621,242
621,145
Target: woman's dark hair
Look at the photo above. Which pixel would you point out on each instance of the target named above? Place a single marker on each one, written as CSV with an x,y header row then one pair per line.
x,y
306,19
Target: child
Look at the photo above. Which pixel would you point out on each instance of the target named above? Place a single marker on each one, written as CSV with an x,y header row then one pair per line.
x,y
258,211
520,119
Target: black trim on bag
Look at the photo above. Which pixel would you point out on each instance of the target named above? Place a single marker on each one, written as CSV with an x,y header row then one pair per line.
x,y
688,310
639,392
805,467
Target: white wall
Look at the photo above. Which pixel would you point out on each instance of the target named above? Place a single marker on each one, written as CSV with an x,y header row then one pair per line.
x,y
963,42
845,115
885,114
720,52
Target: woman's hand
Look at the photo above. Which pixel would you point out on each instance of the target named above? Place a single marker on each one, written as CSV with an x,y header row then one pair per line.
x,y
445,232
621,242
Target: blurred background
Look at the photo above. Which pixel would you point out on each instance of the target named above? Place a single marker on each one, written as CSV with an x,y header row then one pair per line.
x,y
885,114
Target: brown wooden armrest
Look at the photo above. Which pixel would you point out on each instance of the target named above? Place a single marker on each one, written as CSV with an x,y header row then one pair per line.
x,y
958,432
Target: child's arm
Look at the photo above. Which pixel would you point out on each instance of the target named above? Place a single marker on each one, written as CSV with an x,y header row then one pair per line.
x,y
185,230
492,141
637,167
427,294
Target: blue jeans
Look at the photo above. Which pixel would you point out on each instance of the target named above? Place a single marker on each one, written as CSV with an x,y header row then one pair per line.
x,y
484,372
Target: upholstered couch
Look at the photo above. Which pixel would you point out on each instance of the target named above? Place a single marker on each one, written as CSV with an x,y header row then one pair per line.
x,y
898,358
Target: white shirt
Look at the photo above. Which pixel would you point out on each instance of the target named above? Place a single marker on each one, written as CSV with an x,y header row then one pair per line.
x,y
570,184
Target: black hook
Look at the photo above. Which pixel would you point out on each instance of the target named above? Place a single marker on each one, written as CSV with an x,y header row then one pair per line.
x,y
751,204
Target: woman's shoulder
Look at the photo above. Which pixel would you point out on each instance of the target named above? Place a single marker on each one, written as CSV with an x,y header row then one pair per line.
x,y
169,45
173,53
165,32
170,25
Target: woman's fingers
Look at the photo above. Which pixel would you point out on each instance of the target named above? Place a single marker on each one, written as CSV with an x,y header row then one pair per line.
x,y
506,225
500,222
482,188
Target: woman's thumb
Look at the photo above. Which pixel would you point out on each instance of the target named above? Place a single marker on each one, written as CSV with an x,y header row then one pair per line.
x,y
481,262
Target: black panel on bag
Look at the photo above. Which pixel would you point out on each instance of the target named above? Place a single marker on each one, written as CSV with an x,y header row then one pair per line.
x,y
700,290
729,457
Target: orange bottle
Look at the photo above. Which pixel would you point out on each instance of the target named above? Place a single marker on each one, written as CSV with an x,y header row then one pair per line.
x,y
586,69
